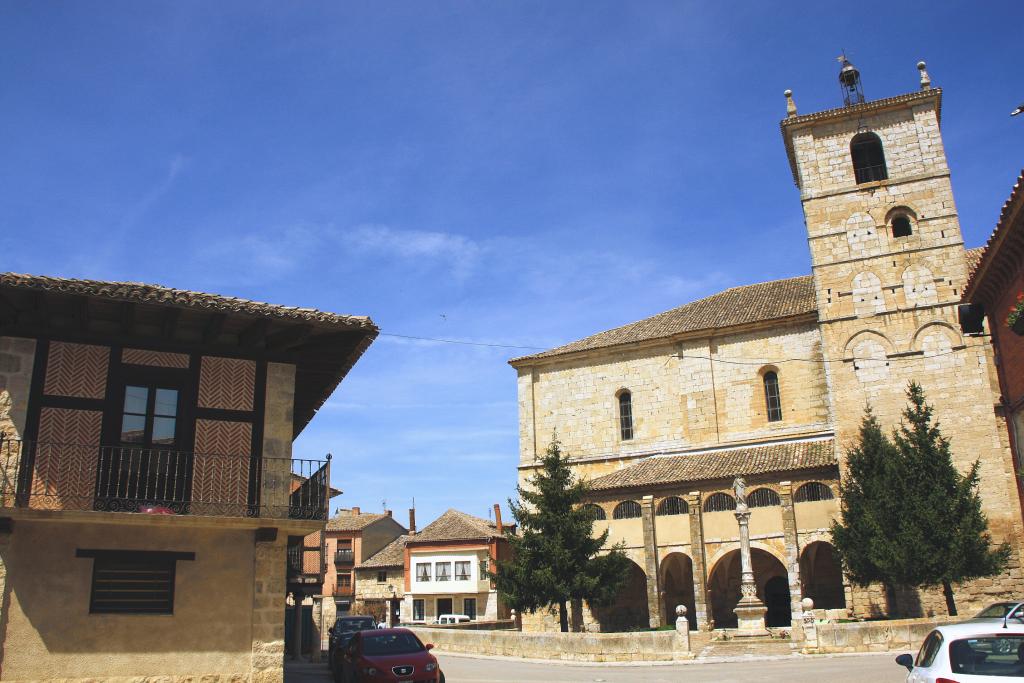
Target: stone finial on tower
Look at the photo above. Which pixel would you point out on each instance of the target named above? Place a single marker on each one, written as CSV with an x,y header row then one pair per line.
x,y
790,104
926,80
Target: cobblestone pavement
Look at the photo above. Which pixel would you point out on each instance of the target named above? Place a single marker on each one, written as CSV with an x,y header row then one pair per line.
x,y
877,668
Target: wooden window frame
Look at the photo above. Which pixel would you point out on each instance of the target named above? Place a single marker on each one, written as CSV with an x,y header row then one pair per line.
x,y
167,560
626,431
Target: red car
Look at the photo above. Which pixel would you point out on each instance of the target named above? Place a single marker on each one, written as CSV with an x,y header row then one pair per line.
x,y
394,655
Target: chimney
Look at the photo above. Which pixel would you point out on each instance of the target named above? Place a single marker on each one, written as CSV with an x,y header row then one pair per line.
x,y
387,512
497,518
412,521
355,510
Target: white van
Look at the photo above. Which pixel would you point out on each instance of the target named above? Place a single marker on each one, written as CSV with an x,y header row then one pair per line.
x,y
453,619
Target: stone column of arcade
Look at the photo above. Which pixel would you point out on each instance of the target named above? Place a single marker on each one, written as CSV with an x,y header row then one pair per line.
x,y
749,610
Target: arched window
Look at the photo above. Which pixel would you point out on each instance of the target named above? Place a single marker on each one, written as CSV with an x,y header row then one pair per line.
x,y
596,511
625,415
868,158
901,226
673,505
719,502
773,400
812,492
762,498
627,509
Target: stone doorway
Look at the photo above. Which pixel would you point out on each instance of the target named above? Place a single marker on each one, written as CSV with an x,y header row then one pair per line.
x,y
821,577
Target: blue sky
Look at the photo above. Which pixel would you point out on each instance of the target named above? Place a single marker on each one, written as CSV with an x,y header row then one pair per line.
x,y
518,173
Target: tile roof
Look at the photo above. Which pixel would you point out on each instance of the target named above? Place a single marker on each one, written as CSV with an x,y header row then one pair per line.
x,y
736,306
346,521
974,257
391,555
456,526
722,464
157,294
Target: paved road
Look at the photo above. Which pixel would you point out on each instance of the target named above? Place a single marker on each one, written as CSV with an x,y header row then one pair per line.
x,y
878,668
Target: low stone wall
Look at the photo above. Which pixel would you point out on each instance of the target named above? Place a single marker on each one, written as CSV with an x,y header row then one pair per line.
x,y
876,636
649,646
500,625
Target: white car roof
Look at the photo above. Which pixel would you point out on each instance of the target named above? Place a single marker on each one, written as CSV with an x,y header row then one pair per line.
x,y
981,628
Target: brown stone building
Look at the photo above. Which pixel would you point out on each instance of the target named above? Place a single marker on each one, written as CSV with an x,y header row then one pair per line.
x,y
997,284
149,496
380,582
352,537
769,381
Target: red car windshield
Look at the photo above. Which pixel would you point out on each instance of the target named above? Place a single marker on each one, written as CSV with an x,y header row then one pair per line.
x,y
390,644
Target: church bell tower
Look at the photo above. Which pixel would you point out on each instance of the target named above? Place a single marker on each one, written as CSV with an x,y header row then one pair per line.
x,y
889,269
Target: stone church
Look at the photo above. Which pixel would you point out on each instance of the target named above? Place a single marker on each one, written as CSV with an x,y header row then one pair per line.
x,y
769,381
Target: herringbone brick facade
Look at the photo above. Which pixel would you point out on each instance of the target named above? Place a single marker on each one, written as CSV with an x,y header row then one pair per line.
x,y
220,473
66,455
77,370
226,383
157,359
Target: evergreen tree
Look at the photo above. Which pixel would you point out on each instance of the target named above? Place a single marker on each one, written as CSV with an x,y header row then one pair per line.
x,y
555,556
908,516
944,533
869,506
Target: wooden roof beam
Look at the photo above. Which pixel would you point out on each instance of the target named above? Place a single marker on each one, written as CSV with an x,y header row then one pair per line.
x,y
288,337
214,326
255,335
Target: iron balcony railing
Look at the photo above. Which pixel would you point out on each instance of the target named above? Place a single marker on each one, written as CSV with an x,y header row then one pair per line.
x,y
344,557
68,476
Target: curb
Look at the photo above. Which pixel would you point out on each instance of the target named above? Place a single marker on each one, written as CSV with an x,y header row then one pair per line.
x,y
680,662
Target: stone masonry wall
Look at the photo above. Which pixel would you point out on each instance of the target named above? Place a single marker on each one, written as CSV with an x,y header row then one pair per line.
x,y
888,313
679,400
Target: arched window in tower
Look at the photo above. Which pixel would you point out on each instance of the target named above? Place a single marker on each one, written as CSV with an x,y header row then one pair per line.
x,y
901,225
773,401
625,415
868,158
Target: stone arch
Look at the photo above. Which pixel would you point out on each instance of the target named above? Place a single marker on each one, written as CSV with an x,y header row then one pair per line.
x,y
770,577
862,235
936,327
919,286
868,298
676,575
629,611
821,577
901,221
936,341
869,352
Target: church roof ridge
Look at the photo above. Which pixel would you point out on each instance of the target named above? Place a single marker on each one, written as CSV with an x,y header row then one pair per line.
x,y
739,305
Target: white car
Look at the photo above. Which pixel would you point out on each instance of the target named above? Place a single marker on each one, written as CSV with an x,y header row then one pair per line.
x,y
968,653
453,619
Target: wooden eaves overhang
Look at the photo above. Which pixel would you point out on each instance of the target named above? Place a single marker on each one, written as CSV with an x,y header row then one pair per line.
x,y
1001,261
322,346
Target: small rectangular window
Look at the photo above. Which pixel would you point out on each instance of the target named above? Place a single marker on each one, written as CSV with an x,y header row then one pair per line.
x,y
469,608
345,580
382,577
462,571
132,582
443,571
483,569
423,571
417,610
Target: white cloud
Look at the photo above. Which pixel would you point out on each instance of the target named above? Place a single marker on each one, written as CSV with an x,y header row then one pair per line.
x,y
459,252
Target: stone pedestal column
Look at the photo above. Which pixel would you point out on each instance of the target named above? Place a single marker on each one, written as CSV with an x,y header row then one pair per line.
x,y
683,627
750,610
700,584
654,607
810,627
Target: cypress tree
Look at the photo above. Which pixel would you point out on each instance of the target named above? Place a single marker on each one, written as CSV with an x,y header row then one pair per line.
x,y
908,516
944,533
555,556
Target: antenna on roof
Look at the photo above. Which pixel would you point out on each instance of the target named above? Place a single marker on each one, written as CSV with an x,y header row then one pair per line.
x,y
384,504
